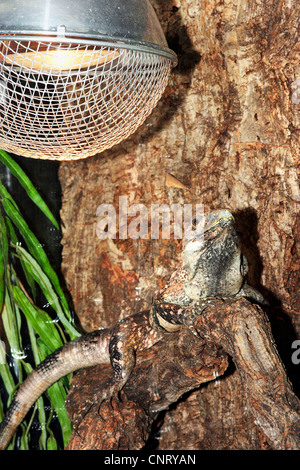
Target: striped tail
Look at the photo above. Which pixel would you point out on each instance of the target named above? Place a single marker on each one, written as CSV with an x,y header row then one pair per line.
x,y
88,350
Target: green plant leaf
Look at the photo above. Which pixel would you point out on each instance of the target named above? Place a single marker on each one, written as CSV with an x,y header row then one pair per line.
x,y
3,260
11,325
5,373
35,249
51,441
39,320
5,194
18,308
26,268
57,394
23,439
42,279
40,402
23,179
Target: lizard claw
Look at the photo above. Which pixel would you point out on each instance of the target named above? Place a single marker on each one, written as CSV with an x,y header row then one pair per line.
x,y
122,396
105,408
111,407
105,398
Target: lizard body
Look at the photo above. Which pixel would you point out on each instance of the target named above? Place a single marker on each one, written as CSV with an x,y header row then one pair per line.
x,y
212,266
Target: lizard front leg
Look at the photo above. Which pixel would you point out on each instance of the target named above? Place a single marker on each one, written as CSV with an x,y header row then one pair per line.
x,y
132,334
122,358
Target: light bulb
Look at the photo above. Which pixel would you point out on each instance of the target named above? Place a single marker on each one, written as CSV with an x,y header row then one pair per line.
x,y
60,59
78,77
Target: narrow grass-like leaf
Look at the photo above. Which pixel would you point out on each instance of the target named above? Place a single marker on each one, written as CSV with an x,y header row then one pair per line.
x,y
43,423
42,279
40,320
45,335
5,373
31,241
3,260
7,378
2,280
23,441
40,402
1,411
57,394
51,441
3,240
36,250
23,179
25,268
5,194
12,330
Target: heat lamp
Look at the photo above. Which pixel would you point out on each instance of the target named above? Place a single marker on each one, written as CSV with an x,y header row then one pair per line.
x,y
77,77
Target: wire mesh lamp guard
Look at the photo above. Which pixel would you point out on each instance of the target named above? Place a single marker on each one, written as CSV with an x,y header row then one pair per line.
x,y
77,77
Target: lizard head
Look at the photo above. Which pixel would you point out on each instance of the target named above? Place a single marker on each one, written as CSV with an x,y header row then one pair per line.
x,y
212,259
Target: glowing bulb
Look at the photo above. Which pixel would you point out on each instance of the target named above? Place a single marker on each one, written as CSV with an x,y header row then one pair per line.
x,y
61,59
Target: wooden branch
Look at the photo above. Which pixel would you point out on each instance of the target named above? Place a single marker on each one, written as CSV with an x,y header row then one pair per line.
x,y
177,364
243,331
182,362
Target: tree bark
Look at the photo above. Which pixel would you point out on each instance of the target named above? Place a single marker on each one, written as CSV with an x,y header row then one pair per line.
x,y
244,332
154,383
233,326
227,128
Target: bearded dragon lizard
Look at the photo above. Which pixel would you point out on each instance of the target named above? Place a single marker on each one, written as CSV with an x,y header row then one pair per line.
x,y
212,266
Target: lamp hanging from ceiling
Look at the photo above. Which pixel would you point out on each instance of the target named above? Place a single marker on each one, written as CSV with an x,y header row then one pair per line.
x,y
77,77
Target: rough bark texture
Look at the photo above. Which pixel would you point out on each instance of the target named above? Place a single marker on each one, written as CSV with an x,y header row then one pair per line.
x,y
233,326
228,129
188,362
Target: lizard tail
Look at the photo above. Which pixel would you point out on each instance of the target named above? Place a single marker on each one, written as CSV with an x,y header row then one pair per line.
x,y
85,351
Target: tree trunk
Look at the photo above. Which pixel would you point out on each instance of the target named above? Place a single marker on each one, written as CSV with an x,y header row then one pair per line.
x,y
227,129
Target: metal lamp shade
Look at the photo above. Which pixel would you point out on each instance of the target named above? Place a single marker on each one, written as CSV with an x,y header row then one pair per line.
x,y
78,77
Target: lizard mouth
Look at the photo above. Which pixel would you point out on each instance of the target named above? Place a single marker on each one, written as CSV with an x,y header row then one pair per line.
x,y
217,218
208,228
